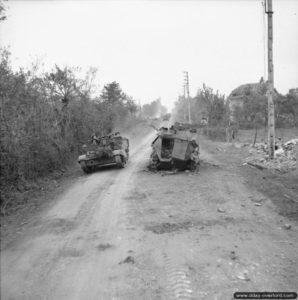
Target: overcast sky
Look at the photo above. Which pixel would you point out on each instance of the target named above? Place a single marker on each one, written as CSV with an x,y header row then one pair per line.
x,y
146,45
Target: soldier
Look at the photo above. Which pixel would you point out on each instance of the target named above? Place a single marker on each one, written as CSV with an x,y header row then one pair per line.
x,y
94,139
193,142
194,156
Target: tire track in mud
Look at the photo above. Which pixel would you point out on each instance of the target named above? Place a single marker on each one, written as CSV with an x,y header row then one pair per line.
x,y
128,204
179,283
177,277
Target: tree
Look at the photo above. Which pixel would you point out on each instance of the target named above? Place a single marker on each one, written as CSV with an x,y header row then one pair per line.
x,y
212,105
62,84
287,109
154,109
254,111
131,106
112,94
2,11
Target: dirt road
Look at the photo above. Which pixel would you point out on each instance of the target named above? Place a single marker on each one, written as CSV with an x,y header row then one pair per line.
x,y
132,234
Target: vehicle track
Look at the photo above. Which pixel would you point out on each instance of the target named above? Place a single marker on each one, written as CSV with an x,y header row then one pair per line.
x,y
179,283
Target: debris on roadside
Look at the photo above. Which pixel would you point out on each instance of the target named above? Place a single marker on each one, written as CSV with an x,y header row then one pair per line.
x,y
243,276
103,247
221,210
255,165
208,163
175,171
233,255
285,156
287,226
128,260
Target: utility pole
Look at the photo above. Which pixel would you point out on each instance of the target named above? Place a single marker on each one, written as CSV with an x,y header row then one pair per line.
x,y
140,108
264,37
184,106
271,126
186,80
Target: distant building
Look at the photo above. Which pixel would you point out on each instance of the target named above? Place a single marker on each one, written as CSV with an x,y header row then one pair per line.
x,y
242,93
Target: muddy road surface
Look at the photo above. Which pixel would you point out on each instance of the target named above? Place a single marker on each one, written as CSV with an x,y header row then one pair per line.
x,y
133,234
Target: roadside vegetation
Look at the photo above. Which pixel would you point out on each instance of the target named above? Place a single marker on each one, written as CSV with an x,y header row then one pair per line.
x,y
46,117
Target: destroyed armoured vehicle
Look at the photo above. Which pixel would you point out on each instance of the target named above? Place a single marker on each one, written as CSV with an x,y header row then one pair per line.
x,y
112,150
175,148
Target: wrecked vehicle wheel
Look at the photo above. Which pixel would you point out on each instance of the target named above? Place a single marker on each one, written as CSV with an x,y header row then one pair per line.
x,y
120,163
85,168
154,161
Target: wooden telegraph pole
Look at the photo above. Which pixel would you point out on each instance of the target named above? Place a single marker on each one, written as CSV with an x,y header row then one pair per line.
x,y
184,98
271,126
186,80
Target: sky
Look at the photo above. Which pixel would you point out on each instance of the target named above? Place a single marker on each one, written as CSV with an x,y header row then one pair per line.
x,y
146,45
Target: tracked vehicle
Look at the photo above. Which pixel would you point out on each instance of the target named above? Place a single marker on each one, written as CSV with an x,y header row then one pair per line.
x,y
111,150
175,148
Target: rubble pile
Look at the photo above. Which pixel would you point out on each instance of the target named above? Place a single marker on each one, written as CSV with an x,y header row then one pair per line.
x,y
285,157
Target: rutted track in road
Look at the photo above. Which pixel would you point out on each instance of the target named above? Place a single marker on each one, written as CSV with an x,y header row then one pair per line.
x,y
179,284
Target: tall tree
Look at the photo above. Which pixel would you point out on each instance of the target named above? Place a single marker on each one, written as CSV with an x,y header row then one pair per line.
x,y
214,106
62,83
112,94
